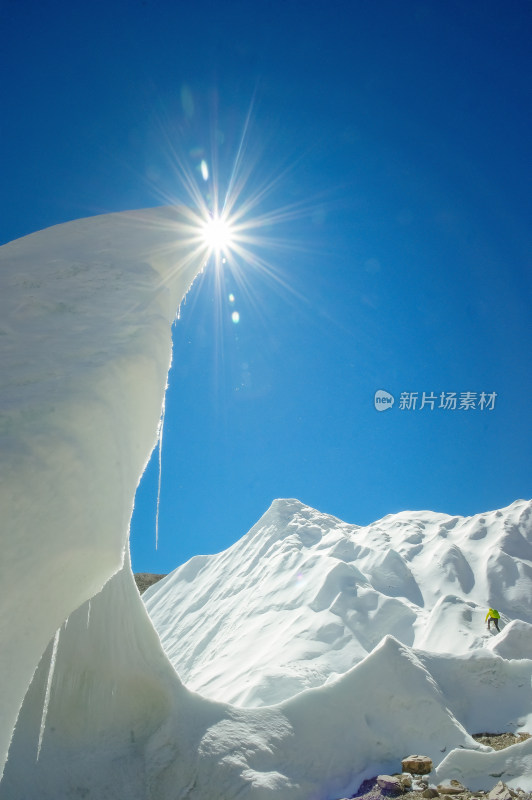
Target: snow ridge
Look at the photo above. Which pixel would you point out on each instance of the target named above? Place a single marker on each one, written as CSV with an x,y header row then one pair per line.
x,y
303,597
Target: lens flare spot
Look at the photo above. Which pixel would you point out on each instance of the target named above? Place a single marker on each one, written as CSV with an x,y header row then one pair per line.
x,y
235,316
231,298
204,170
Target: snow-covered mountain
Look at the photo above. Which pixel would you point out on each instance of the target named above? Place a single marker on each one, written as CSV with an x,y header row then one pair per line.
x,y
304,597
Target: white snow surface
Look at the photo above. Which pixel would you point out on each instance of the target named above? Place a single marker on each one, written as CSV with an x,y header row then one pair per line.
x,y
384,624
303,597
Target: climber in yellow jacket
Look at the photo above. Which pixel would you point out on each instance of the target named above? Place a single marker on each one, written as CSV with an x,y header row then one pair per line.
x,y
493,616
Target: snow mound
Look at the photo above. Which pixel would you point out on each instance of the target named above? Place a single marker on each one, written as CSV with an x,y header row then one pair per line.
x,y
515,641
484,691
303,597
480,770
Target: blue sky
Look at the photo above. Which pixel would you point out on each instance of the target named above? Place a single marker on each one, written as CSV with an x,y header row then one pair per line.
x,y
401,131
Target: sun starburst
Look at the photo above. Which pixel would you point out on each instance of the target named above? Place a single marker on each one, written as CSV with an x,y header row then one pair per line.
x,y
218,234
233,223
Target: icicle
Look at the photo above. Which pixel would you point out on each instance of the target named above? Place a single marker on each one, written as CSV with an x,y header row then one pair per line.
x,y
160,433
161,425
48,691
88,613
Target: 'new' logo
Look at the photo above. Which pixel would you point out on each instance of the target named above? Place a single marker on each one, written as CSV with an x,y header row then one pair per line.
x,y
383,400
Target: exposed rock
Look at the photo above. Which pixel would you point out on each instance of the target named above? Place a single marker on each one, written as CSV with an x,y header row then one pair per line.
x,y
146,579
501,740
500,792
384,786
417,765
390,784
453,787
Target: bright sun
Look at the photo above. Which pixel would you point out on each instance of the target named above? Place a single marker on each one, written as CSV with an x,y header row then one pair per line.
x,y
227,227
218,234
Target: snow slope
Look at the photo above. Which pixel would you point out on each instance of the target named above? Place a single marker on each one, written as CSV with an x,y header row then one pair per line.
x,y
86,311
304,596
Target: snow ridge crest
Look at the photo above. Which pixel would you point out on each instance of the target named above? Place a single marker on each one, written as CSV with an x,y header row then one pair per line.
x,y
303,597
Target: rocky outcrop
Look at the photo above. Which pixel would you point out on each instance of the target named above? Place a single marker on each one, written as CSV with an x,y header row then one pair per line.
x,y
415,788
146,579
417,765
451,787
390,784
500,792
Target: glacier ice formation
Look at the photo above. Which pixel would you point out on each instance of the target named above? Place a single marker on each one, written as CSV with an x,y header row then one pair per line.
x,y
90,704
86,311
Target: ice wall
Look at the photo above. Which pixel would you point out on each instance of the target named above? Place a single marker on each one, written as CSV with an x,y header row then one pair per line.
x,y
85,331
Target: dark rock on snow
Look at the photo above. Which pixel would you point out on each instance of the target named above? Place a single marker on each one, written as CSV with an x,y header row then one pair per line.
x,y
417,765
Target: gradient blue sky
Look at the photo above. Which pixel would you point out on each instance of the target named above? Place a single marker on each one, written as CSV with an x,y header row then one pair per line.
x,y
402,130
